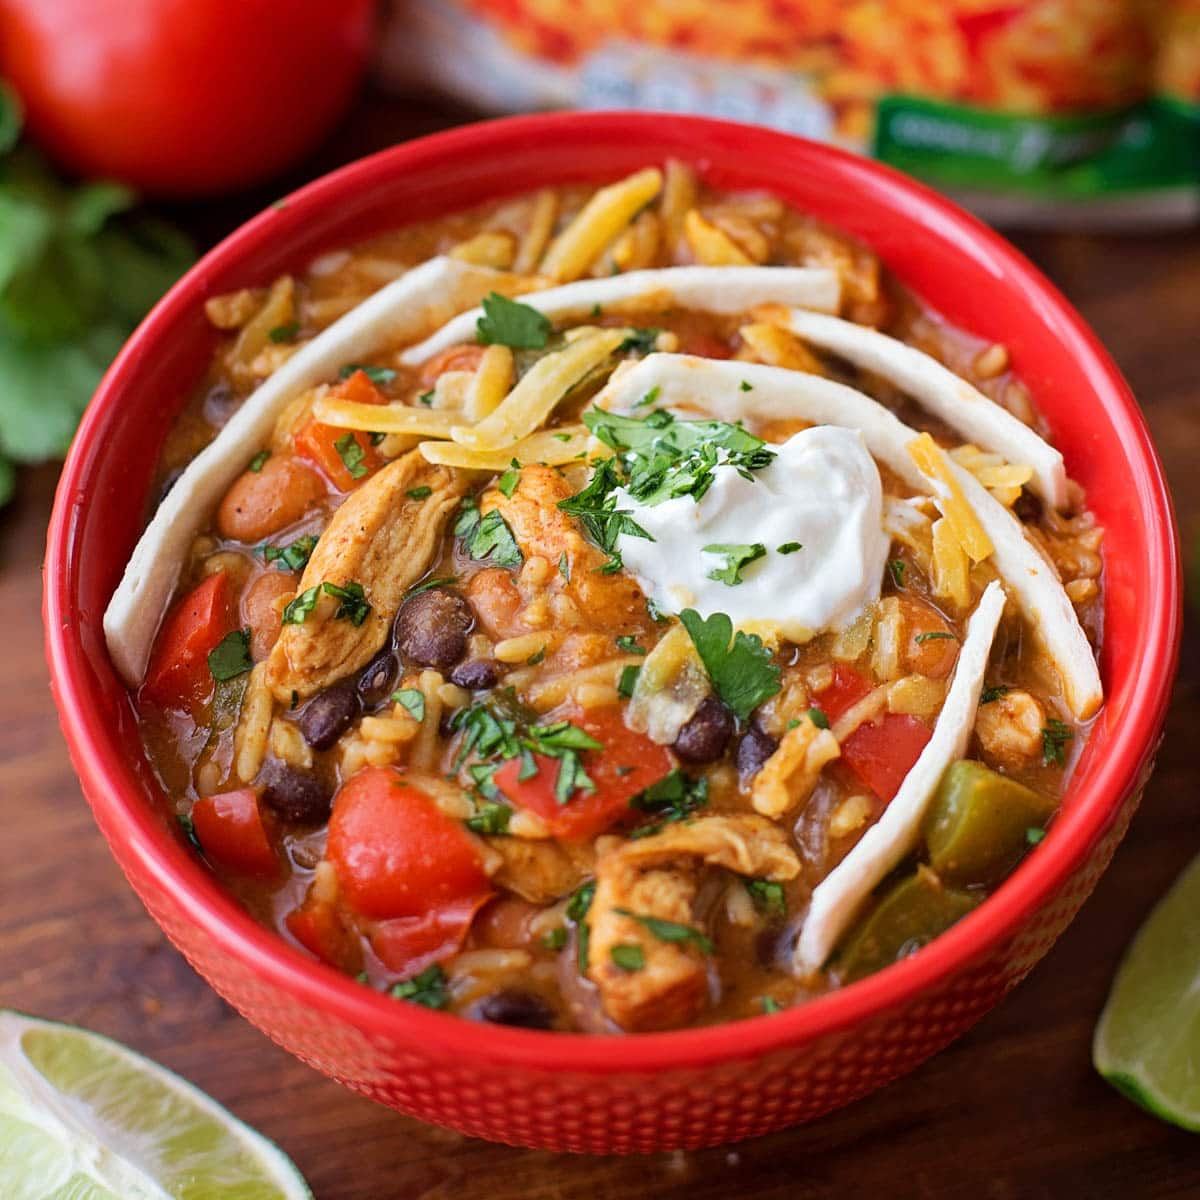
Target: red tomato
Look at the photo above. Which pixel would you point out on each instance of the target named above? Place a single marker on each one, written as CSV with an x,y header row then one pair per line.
x,y
178,674
396,853
318,443
846,690
183,97
230,829
319,930
628,764
407,945
704,345
882,753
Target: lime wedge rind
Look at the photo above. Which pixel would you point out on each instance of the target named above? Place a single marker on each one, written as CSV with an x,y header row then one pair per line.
x,y
124,1125
1147,1041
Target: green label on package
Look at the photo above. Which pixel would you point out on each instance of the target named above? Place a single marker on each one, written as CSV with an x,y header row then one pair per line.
x,y
1155,144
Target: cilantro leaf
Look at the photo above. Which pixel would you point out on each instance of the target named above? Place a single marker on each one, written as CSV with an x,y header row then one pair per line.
x,y
896,568
991,694
259,461
298,610
487,536
737,557
284,333
419,493
294,556
377,375
427,989
628,956
674,797
354,607
1056,736
768,897
412,700
491,819
640,341
230,657
507,322
628,680
352,455
741,670
670,931
507,483
602,521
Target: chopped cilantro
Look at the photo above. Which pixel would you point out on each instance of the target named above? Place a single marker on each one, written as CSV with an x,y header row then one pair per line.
x,y
818,718
670,931
377,375
487,536
628,680
737,556
284,333
896,569
1033,835
294,556
597,311
629,644
596,508
507,322
746,386
640,341
427,989
650,397
768,897
536,657
352,455
491,819
353,607
296,612
935,635
1055,737
507,483
674,797
419,493
992,694
434,581
556,939
189,829
376,439
628,956
577,909
789,548
426,398
771,1006
230,657
259,461
740,669
564,566
412,700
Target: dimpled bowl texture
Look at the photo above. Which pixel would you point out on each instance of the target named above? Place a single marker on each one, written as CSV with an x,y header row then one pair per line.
x,y
648,1092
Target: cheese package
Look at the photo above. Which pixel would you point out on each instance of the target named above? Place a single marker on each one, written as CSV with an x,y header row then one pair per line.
x,y
1028,111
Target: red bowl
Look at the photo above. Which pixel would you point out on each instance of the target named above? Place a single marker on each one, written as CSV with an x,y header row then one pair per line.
x,y
654,1091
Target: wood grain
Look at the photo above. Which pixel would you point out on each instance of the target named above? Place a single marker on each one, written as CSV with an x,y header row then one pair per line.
x,y
1013,1111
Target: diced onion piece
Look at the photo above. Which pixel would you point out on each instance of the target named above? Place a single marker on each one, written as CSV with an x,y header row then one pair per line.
x,y
671,686
528,405
385,418
951,570
602,218
711,245
552,447
931,462
838,898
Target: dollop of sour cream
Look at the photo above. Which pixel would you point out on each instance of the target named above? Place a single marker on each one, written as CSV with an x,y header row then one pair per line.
x,y
822,491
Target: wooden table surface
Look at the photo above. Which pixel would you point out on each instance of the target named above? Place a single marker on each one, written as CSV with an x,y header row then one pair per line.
x,y
1012,1111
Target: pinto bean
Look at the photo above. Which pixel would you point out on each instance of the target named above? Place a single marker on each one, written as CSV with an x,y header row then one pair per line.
x,y
293,794
517,1008
327,716
930,645
375,682
261,610
432,628
261,503
753,751
705,735
476,674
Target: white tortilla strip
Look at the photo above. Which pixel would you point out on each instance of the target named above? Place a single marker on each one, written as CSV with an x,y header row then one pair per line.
x,y
963,407
838,898
694,386
729,290
404,309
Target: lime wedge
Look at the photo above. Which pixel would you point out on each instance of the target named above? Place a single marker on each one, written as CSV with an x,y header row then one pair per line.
x,y
84,1118
1147,1042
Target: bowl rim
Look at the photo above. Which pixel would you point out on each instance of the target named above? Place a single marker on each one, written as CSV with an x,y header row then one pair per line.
x,y
121,810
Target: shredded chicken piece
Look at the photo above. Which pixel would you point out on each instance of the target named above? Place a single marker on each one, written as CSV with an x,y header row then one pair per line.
x,y
1009,729
537,871
790,774
614,603
658,877
382,539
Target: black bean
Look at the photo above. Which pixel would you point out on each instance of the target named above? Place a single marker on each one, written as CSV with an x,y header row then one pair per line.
x,y
327,716
375,682
753,750
476,674
432,628
1028,508
293,794
516,1008
706,734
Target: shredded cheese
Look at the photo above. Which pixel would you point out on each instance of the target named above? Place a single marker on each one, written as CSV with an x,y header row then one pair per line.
x,y
931,462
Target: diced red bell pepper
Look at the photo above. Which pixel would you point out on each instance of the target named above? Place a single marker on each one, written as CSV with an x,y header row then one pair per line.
x,y
319,929
318,443
230,829
407,945
846,690
883,752
464,357
629,763
178,674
